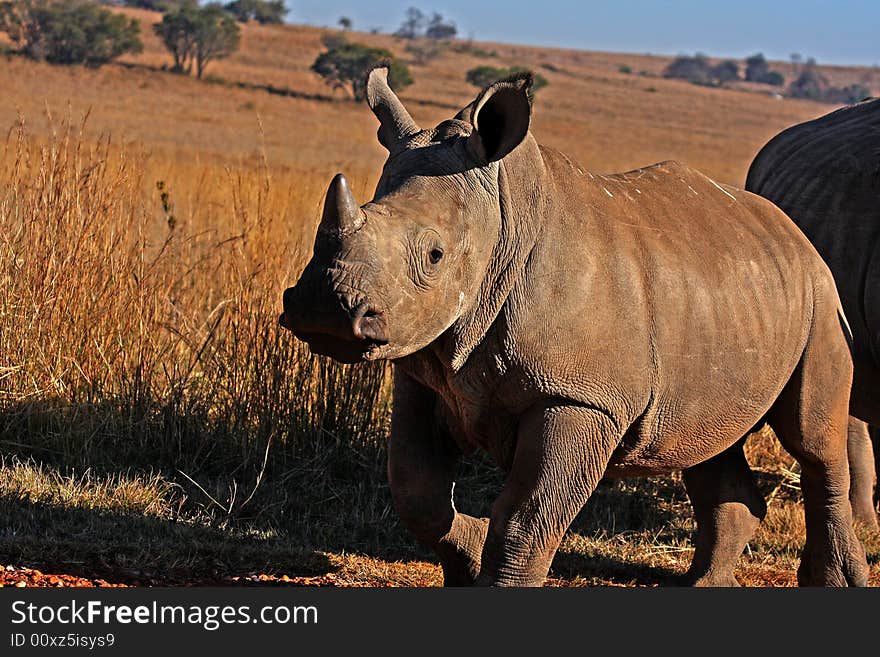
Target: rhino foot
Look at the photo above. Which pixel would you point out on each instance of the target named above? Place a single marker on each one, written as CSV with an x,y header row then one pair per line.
x,y
460,550
844,565
709,580
728,508
863,477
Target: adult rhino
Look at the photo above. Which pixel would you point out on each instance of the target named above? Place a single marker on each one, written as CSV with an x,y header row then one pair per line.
x,y
825,174
574,326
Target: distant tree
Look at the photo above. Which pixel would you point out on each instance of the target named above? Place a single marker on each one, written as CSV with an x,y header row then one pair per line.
x,y
345,23
758,70
263,11
177,30
68,31
345,66
217,36
333,40
271,12
154,5
774,78
726,71
198,35
483,76
424,50
696,69
847,95
439,28
413,24
810,83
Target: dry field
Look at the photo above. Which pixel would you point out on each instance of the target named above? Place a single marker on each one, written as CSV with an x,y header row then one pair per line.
x,y
157,427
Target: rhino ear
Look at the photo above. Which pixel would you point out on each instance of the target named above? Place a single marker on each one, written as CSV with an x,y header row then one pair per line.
x,y
466,113
500,116
395,123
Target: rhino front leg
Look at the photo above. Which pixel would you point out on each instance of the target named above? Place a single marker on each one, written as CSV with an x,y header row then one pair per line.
x,y
561,453
421,466
863,477
728,508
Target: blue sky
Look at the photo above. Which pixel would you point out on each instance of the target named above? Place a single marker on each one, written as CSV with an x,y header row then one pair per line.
x,y
842,32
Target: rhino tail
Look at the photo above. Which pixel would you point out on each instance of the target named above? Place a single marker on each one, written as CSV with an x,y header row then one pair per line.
x,y
844,325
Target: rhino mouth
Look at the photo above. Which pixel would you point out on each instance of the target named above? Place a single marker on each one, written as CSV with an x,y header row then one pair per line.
x,y
328,343
344,351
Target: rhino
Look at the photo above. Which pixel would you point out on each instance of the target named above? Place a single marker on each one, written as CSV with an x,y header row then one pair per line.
x,y
825,174
576,326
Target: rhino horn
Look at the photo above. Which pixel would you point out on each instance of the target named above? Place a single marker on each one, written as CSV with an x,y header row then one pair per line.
x,y
341,215
395,122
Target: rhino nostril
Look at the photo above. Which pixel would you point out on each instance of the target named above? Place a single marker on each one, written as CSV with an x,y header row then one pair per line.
x,y
368,323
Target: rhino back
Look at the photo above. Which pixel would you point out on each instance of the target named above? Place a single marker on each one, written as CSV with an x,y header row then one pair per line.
x,y
678,305
825,174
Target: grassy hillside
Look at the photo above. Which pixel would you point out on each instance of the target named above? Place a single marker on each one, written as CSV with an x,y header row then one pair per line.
x,y
609,121
156,426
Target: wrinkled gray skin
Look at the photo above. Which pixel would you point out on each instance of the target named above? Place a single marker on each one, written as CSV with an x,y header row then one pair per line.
x,y
576,326
825,174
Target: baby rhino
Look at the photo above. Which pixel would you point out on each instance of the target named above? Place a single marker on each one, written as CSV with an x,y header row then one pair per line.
x,y
577,326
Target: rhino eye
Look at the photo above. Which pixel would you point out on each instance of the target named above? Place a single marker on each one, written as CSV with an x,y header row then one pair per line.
x,y
424,255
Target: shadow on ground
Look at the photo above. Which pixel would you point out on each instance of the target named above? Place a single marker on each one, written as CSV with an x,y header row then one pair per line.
x,y
135,549
105,509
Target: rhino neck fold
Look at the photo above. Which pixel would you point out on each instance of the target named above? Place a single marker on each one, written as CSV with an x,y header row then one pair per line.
x,y
521,188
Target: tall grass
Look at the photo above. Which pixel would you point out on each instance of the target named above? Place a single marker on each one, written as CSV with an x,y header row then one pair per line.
x,y
138,333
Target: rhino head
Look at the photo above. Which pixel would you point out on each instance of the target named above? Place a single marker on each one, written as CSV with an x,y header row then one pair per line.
x,y
390,277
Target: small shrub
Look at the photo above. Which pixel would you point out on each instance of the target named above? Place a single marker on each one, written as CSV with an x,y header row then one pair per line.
x,y
623,68
265,12
68,31
854,93
155,5
726,71
483,76
809,84
757,70
424,50
812,85
848,95
468,48
774,78
345,65
695,69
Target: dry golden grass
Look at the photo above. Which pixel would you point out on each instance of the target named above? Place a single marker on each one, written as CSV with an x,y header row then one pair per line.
x,y
152,416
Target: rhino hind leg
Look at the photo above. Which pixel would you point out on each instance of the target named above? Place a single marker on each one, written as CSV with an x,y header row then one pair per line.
x,y
863,477
810,417
728,508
